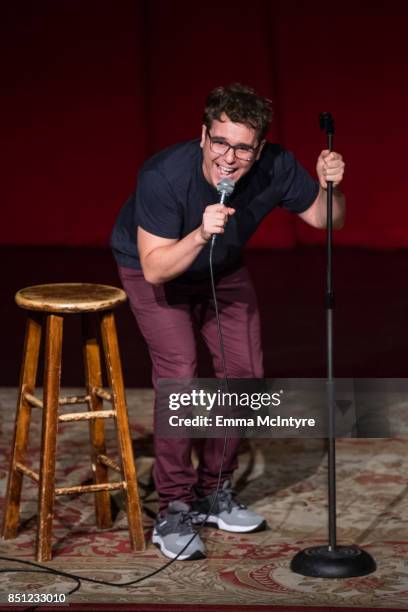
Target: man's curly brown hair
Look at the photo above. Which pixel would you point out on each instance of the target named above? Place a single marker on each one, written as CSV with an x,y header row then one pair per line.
x,y
241,104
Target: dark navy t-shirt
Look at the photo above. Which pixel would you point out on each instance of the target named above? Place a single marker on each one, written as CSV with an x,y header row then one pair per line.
x,y
172,194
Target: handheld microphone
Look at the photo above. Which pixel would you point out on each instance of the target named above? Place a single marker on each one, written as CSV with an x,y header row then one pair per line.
x,y
225,189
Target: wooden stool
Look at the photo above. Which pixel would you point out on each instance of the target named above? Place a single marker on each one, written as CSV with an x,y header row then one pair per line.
x,y
95,303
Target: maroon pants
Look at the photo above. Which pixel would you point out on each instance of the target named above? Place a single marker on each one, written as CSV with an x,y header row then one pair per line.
x,y
166,315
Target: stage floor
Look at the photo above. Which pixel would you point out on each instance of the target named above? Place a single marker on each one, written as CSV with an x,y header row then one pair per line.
x,y
284,479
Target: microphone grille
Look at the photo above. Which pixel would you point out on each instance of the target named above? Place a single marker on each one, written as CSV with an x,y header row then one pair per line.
x,y
226,186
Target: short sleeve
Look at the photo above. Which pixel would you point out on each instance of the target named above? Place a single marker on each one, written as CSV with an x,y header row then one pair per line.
x,y
157,208
299,189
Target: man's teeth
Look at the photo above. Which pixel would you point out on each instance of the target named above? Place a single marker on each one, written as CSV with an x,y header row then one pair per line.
x,y
226,170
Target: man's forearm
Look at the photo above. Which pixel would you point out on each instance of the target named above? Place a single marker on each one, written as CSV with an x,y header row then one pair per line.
x,y
167,262
339,208
162,259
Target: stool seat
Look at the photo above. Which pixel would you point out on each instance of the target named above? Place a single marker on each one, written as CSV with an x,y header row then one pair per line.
x,y
70,297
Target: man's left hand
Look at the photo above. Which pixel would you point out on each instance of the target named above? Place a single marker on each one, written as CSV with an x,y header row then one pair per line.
x,y
330,167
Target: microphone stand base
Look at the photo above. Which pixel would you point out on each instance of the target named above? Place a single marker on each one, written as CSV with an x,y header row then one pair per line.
x,y
338,562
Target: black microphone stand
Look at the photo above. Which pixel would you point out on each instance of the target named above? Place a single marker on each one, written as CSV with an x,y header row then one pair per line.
x,y
331,561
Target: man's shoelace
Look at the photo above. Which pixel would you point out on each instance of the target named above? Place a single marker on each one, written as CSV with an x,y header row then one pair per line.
x,y
226,501
185,522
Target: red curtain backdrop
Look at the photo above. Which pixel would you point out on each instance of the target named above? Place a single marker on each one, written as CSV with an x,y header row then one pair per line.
x,y
92,88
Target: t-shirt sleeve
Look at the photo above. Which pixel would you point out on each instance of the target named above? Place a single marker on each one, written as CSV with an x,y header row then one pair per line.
x,y
157,208
299,189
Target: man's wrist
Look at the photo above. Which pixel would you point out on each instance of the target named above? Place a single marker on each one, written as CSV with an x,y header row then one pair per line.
x,y
336,190
202,236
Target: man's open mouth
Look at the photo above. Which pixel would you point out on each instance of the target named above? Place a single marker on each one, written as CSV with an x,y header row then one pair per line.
x,y
224,171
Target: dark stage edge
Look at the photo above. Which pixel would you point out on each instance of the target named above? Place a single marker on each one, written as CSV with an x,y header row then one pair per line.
x,y
370,319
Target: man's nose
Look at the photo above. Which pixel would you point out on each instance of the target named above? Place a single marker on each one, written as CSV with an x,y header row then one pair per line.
x,y
229,156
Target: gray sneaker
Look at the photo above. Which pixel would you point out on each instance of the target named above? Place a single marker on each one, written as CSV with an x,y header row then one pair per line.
x,y
174,530
227,514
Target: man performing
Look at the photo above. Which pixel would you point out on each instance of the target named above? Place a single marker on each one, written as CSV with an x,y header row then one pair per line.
x,y
161,243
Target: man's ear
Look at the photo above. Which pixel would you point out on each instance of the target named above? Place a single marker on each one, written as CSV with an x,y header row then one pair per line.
x,y
261,146
203,135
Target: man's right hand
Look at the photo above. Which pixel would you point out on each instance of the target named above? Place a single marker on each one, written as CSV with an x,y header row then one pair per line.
x,y
215,218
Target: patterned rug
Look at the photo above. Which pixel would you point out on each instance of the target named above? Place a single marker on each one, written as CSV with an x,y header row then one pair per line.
x,y
284,479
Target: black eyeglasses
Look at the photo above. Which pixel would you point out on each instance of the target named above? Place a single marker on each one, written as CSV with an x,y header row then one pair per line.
x,y
219,146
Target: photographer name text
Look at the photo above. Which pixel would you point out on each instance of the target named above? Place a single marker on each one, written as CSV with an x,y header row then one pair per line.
x,y
259,421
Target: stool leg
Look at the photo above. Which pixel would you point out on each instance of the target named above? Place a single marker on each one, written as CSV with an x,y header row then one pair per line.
x,y
93,377
28,377
115,378
52,376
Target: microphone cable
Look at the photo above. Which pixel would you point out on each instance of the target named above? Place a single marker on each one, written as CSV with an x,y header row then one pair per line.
x,y
39,568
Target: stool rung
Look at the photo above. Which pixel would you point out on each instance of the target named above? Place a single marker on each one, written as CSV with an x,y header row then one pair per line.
x,y
94,488
102,393
87,416
105,460
27,472
33,401
72,399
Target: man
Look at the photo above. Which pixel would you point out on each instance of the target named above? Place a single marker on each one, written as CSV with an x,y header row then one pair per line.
x,y
161,243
